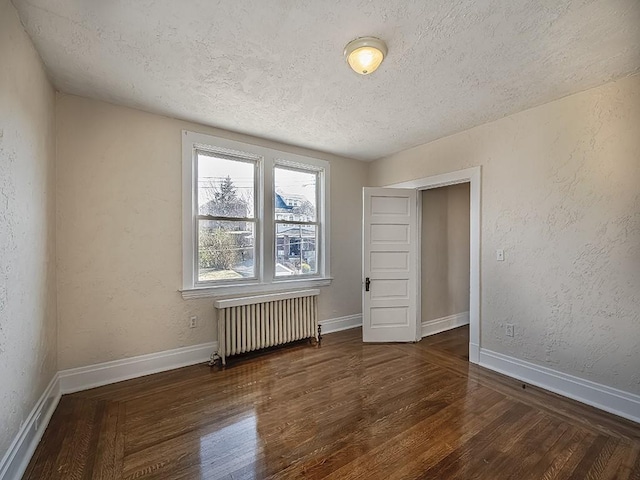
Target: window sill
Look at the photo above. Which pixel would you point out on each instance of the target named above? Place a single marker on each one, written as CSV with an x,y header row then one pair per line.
x,y
275,286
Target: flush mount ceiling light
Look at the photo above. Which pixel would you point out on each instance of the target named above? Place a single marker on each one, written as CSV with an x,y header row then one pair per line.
x,y
364,55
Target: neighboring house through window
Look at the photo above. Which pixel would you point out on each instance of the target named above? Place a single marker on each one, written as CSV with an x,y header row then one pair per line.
x,y
254,219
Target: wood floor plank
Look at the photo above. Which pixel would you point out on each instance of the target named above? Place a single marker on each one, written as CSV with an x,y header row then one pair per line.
x,y
595,459
355,443
615,462
457,463
344,410
110,447
630,468
438,436
44,462
573,449
495,457
66,466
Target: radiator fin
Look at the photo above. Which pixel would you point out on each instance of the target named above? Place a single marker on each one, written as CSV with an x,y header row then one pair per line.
x,y
245,328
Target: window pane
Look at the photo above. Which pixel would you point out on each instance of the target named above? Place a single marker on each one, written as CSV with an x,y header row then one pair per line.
x,y
225,187
225,250
296,252
295,195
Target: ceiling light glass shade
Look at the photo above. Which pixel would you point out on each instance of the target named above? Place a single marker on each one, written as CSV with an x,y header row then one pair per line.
x,y
365,54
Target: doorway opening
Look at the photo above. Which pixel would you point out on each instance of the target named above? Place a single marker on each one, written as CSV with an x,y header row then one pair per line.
x,y
445,247
471,176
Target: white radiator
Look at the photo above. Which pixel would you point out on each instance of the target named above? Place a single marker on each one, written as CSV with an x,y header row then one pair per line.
x,y
251,323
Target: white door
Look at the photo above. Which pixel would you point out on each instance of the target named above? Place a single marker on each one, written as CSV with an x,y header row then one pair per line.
x,y
390,265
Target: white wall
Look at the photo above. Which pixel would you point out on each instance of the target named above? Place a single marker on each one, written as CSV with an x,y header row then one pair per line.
x,y
445,251
120,234
27,227
561,196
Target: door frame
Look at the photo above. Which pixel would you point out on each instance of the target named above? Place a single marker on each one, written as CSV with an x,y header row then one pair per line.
x,y
473,177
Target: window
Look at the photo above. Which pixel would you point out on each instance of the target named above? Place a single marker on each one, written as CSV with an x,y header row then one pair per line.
x,y
296,224
254,219
226,221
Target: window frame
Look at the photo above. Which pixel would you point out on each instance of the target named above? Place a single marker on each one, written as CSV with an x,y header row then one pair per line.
x,y
265,238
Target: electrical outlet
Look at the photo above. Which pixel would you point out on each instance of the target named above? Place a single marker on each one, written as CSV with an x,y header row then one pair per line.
x,y
508,329
500,255
193,322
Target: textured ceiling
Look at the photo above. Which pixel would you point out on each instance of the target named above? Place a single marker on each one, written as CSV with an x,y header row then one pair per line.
x,y
275,69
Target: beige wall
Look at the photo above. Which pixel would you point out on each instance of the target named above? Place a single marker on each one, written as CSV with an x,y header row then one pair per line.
x,y
120,234
445,251
27,227
561,196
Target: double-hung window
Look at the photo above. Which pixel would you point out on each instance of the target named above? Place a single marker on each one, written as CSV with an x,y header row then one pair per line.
x,y
254,219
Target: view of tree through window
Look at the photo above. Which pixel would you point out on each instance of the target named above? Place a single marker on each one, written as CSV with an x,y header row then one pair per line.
x,y
226,218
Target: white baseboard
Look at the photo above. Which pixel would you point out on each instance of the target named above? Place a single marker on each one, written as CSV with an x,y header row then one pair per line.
x,y
84,378
341,323
16,460
431,327
612,400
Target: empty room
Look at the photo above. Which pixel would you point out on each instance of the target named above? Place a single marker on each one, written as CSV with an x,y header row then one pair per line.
x,y
288,239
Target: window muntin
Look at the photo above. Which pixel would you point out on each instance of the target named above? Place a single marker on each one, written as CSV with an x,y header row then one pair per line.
x,y
226,219
295,218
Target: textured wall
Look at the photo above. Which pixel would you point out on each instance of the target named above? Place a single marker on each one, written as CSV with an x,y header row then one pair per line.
x,y
445,251
120,234
27,227
561,195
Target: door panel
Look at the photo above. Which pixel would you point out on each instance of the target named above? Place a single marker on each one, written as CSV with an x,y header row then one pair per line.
x,y
390,205
382,233
389,289
389,316
390,263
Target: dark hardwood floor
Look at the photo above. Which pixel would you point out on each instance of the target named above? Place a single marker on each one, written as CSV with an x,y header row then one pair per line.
x,y
343,411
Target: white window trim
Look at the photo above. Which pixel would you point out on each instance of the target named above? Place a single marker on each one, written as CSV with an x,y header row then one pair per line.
x,y
265,234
